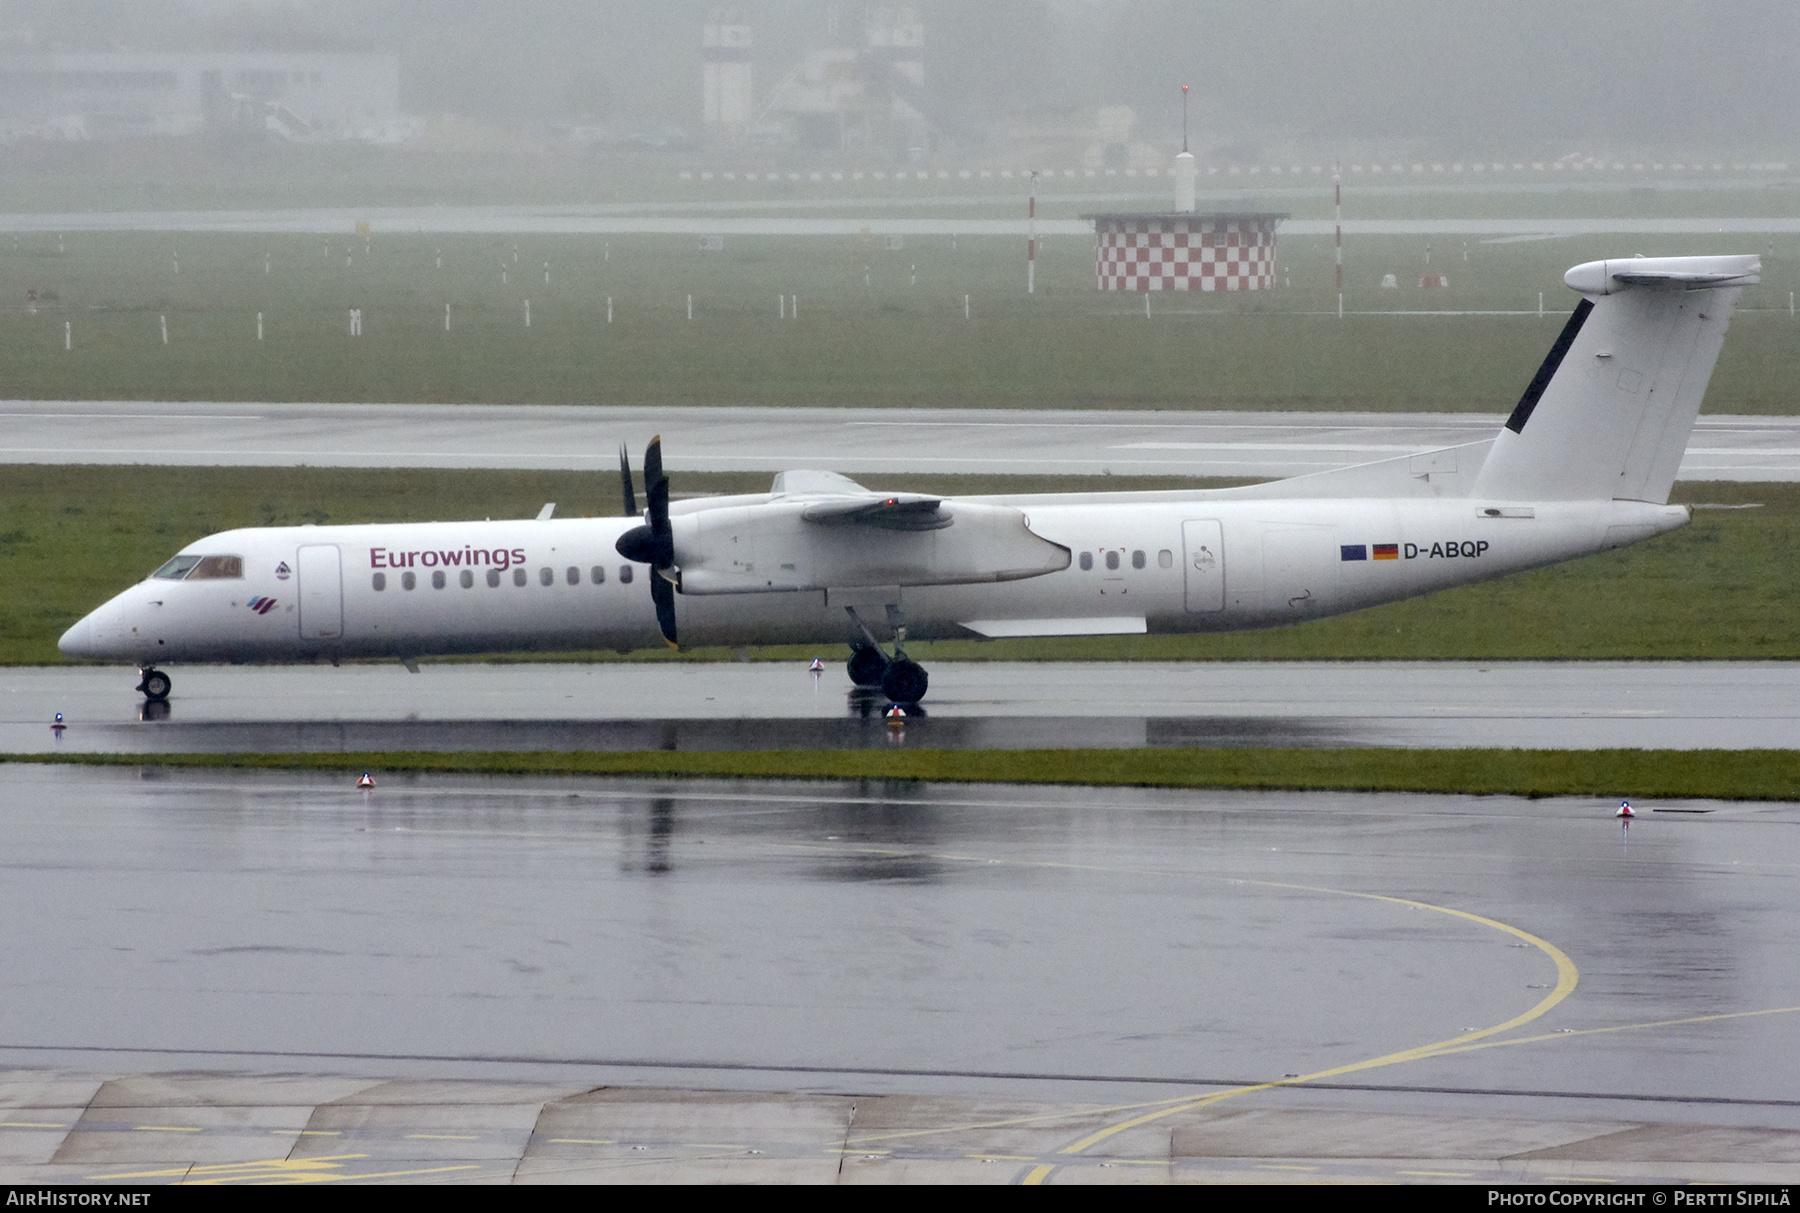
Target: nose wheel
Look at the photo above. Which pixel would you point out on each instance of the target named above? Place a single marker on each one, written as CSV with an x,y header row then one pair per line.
x,y
155,685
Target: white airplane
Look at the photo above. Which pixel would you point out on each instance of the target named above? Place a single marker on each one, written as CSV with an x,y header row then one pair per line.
x,y
1585,463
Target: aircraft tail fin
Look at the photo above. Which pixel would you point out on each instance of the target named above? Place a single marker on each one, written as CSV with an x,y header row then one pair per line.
x,y
1607,416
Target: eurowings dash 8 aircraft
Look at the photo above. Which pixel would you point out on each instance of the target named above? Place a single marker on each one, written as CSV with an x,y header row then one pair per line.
x,y
1585,463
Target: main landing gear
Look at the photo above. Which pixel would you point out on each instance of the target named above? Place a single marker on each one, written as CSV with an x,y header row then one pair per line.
x,y
155,685
900,678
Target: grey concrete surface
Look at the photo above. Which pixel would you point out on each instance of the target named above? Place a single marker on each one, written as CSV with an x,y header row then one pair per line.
x,y
462,979
1003,705
656,219
852,441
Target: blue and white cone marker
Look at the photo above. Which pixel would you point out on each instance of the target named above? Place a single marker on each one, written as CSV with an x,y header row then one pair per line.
x,y
367,781
896,716
1625,810
817,666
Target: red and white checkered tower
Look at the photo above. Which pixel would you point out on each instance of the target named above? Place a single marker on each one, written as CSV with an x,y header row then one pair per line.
x,y
1183,249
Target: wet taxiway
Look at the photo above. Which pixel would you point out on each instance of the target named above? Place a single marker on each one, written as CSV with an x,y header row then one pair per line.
x,y
243,976
859,442
972,705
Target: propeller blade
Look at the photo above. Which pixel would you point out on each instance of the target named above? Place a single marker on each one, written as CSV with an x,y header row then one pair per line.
x,y
662,592
657,497
625,476
653,463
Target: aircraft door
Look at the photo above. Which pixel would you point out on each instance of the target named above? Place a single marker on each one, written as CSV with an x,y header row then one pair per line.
x,y
1203,544
321,592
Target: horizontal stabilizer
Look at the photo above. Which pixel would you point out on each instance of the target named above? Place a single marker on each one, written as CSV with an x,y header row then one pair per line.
x,y
1663,273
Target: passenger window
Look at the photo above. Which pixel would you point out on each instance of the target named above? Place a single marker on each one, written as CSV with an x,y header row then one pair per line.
x,y
467,578
1112,560
1087,561
546,576
494,578
177,568
574,575
1137,559
1165,559
408,580
380,580
437,579
217,568
625,573
518,576
598,574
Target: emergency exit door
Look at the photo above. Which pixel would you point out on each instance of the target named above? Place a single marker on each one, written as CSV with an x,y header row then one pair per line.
x,y
321,592
1203,557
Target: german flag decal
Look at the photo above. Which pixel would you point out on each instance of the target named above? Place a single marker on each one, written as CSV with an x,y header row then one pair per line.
x,y
1387,551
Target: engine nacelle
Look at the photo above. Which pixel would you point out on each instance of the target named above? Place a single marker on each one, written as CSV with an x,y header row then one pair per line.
x,y
772,548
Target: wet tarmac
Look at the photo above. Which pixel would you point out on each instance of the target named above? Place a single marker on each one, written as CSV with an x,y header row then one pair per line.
x,y
971,705
857,442
273,975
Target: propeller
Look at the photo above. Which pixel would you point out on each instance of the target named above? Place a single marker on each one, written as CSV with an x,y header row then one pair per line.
x,y
625,475
653,543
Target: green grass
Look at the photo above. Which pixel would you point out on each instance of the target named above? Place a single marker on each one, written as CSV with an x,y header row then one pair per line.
x,y
70,537
1657,774
891,342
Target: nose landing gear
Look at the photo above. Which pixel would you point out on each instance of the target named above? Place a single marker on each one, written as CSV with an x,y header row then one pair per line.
x,y
155,685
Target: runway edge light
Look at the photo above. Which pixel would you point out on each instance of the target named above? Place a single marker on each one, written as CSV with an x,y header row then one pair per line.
x,y
367,781
1625,810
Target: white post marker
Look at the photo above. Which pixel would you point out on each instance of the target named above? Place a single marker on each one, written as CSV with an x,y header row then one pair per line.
x,y
446,317
68,335
267,261
1337,196
690,307
1146,305
795,309
1030,238
177,260
781,307
546,273
528,313
965,307
165,328
259,326
609,309
440,259
1540,305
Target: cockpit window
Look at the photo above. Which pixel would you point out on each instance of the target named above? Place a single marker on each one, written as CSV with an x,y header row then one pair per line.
x,y
201,568
177,568
217,568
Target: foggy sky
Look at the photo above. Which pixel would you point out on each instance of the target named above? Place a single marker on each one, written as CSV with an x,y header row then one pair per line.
x,y
1478,74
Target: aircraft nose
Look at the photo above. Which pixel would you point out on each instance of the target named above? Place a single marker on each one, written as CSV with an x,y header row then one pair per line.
x,y
78,641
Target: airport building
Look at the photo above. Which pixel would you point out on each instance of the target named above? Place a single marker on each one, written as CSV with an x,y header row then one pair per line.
x,y
845,94
123,95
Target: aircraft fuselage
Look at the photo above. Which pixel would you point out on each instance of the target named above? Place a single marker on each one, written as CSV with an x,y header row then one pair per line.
x,y
1161,563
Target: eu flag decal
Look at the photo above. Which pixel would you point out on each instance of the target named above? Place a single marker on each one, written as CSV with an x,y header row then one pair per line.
x,y
1353,551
